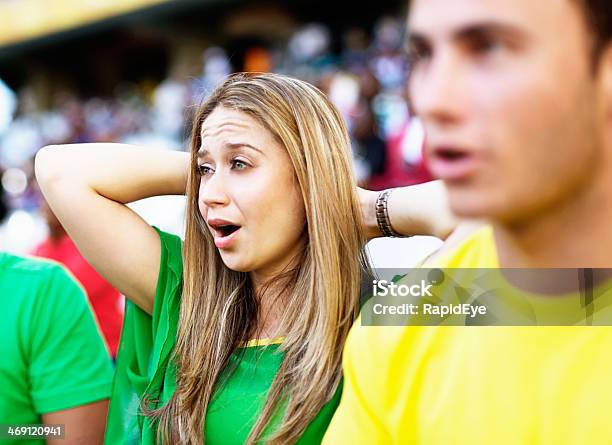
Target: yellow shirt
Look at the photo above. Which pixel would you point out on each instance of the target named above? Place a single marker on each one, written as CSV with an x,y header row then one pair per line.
x,y
475,385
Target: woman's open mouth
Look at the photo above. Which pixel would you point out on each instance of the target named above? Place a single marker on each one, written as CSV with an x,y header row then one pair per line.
x,y
224,232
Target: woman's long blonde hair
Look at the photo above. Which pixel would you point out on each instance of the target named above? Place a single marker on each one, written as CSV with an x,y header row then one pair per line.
x,y
321,295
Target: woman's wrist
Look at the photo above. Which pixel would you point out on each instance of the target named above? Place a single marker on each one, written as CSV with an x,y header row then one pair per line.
x,y
383,211
367,199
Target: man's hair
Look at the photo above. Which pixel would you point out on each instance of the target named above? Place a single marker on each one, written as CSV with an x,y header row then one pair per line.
x,y
599,21
598,14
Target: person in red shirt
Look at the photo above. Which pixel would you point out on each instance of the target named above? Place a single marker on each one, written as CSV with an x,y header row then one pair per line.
x,y
405,161
106,301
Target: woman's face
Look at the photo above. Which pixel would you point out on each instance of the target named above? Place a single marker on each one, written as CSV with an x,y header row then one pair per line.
x,y
248,195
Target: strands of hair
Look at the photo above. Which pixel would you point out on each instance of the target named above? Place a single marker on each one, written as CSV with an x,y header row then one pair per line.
x,y
320,294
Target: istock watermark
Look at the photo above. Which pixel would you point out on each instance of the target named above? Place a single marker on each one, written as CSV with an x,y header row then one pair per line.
x,y
489,297
438,310
382,288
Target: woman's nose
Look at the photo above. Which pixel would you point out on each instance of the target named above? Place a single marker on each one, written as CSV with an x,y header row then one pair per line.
x,y
213,190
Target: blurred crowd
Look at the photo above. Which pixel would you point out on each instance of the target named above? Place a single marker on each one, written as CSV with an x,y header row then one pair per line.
x,y
366,79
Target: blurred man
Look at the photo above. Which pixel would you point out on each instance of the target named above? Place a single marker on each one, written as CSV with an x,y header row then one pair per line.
x,y
54,368
516,99
106,301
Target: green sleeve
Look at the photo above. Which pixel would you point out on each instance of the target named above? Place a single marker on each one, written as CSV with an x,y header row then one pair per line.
x,y
316,429
144,350
69,364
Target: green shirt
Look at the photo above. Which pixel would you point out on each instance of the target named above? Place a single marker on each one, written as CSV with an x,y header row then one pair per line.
x,y
143,366
53,357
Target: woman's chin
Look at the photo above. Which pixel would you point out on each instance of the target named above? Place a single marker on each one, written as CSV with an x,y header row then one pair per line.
x,y
235,265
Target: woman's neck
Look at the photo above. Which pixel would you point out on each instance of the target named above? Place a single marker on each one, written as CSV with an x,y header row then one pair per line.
x,y
271,287
270,292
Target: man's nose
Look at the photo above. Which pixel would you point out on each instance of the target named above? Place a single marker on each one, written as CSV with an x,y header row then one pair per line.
x,y
437,89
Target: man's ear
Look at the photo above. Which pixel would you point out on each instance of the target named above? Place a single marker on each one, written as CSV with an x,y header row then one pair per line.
x,y
605,79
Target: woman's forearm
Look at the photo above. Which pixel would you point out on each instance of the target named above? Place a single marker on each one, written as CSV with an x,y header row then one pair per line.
x,y
421,209
122,173
87,187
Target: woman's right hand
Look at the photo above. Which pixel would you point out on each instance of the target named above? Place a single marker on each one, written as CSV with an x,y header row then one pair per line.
x,y
88,186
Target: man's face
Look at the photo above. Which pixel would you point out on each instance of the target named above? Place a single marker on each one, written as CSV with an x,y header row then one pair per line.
x,y
509,100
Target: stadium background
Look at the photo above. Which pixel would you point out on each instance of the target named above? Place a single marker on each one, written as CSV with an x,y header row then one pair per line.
x,y
131,70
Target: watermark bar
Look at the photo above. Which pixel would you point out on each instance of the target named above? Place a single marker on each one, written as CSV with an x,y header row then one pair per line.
x,y
488,297
31,431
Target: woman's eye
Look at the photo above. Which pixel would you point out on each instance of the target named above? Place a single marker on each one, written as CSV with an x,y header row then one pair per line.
x,y
237,164
204,170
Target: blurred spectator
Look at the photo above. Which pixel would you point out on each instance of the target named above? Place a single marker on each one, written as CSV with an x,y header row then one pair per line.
x,y
106,302
389,61
8,103
367,142
365,79
20,228
355,55
169,101
216,68
309,53
54,368
258,60
405,163
3,204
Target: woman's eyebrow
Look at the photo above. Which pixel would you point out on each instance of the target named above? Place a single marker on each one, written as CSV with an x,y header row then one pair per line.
x,y
203,151
236,145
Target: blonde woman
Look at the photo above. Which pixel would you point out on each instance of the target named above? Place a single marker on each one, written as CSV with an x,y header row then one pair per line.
x,y
236,335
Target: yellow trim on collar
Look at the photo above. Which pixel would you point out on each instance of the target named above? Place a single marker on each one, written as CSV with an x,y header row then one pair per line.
x,y
262,342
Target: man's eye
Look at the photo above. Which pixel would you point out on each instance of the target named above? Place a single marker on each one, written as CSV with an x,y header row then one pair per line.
x,y
418,54
485,45
204,170
237,164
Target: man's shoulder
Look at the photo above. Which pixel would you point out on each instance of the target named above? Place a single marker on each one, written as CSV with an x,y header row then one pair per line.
x,y
371,348
473,248
471,245
28,275
28,267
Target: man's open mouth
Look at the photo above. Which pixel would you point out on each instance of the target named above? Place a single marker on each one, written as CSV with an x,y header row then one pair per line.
x,y
453,163
450,154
